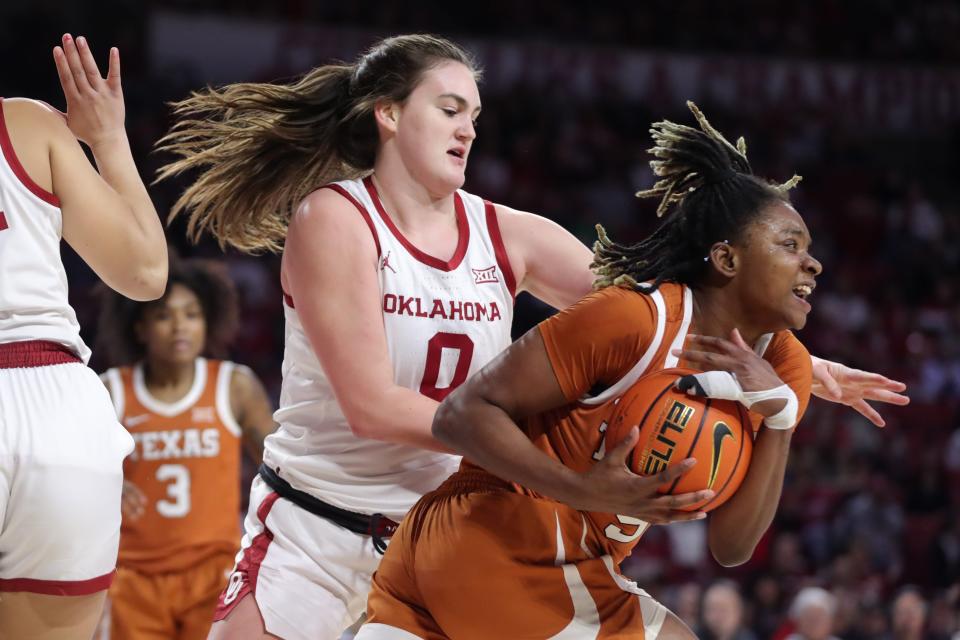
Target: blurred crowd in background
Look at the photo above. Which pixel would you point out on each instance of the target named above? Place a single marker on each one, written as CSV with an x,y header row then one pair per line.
x,y
866,543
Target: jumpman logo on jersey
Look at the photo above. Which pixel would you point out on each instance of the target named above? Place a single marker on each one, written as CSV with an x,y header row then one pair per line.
x,y
385,263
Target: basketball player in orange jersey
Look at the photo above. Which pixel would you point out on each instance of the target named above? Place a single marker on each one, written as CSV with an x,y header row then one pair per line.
x,y
61,447
398,286
189,416
730,264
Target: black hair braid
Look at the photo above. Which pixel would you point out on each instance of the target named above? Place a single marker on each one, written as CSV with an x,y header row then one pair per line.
x,y
709,184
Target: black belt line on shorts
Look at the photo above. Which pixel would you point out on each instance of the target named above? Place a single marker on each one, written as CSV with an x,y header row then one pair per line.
x,y
377,526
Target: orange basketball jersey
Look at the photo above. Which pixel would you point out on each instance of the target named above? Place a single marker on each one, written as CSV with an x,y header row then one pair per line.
x,y
186,462
603,344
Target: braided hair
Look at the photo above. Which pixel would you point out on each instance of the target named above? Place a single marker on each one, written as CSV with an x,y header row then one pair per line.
x,y
708,193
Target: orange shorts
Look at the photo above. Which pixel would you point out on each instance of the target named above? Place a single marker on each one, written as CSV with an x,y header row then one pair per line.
x,y
167,606
474,559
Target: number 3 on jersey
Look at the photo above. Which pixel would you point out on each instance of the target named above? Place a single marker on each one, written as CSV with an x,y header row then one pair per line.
x,y
459,342
177,503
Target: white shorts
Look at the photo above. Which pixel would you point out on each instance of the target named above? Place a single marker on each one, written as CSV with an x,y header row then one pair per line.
x,y
309,576
61,473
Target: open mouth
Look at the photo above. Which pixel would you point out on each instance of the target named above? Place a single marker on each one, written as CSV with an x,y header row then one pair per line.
x,y
457,153
803,291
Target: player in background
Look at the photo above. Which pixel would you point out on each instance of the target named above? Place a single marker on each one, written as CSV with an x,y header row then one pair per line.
x,y
61,447
189,411
730,264
398,286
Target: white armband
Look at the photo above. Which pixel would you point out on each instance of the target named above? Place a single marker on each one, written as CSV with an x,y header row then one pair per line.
x,y
723,385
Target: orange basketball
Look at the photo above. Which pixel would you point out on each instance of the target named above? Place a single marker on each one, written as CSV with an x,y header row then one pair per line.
x,y
675,426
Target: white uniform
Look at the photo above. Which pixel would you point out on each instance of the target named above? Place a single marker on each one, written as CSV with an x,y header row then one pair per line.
x,y
61,447
444,320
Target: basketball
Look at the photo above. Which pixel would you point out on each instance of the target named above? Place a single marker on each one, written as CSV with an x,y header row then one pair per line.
x,y
674,426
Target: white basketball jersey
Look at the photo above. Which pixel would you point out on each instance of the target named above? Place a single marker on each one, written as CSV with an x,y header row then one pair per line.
x,y
33,283
444,320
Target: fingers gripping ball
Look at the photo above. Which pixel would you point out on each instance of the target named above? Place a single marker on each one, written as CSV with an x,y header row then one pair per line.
x,y
675,426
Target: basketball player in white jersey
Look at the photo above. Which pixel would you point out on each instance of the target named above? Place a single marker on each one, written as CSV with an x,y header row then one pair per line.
x,y
61,447
398,285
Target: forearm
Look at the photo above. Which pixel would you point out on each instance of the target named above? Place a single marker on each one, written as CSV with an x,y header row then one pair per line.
x,y
117,168
487,436
399,415
737,526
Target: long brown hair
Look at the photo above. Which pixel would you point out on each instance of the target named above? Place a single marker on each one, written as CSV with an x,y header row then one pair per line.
x,y
260,148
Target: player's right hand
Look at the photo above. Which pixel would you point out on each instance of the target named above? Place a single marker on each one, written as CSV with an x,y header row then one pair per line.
x,y
95,110
611,487
133,502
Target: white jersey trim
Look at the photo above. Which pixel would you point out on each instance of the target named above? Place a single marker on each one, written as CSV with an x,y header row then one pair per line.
x,y
671,360
639,369
763,342
224,410
170,409
624,383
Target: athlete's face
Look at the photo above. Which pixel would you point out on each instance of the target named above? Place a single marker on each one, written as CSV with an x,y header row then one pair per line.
x,y
174,330
435,127
780,274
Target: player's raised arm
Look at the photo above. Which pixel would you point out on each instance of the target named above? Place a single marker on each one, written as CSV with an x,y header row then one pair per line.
x,y
108,217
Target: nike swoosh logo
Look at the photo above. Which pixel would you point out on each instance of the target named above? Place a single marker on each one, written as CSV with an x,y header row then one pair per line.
x,y
133,421
720,431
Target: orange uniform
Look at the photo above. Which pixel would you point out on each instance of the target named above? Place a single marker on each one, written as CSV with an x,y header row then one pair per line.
x,y
174,559
539,568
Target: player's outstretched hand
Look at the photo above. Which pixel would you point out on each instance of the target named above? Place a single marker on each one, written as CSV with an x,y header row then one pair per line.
x,y
95,110
839,383
611,487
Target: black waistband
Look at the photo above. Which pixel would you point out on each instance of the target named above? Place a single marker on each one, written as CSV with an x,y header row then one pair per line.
x,y
377,526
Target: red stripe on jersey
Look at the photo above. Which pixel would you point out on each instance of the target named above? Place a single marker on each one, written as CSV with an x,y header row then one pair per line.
x,y
59,587
17,168
463,229
363,211
34,353
248,569
3,221
288,299
499,250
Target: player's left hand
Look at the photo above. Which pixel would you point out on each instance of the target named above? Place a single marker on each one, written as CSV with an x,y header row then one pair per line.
x,y
839,383
95,109
733,355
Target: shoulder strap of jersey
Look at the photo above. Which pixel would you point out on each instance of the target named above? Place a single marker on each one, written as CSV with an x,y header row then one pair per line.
x,y
345,193
224,409
499,249
616,389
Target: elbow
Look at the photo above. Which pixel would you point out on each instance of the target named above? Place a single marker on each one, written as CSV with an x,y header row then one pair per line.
x,y
732,557
147,283
154,283
151,274
732,548
362,426
440,427
445,421
365,421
